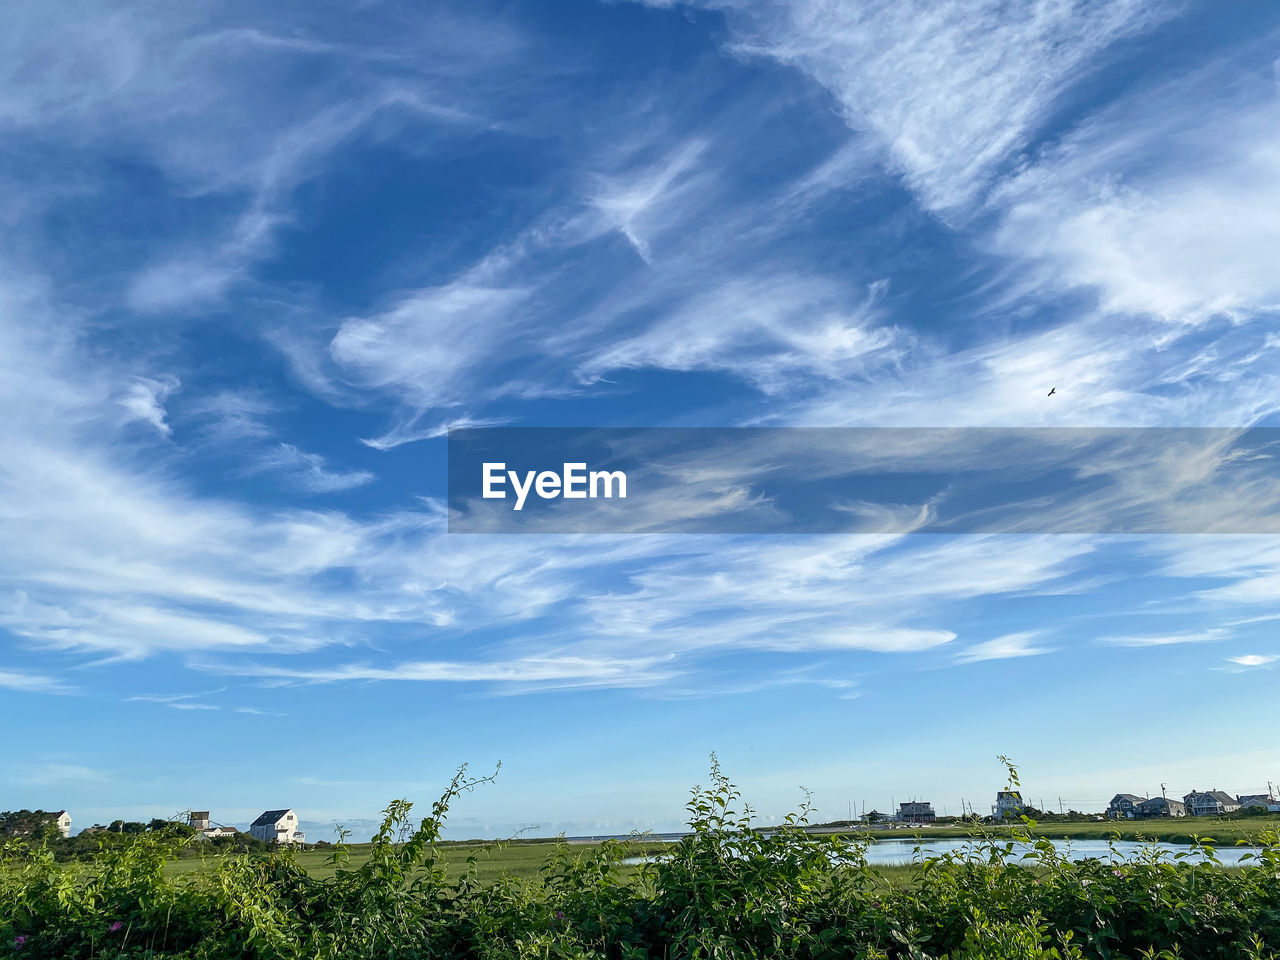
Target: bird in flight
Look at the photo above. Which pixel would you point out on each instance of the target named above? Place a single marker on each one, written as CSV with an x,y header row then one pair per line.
x,y
1053,391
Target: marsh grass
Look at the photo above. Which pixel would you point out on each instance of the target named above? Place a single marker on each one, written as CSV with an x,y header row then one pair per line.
x,y
725,891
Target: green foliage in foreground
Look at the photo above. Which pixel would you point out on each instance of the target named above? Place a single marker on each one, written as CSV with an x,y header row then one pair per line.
x,y
725,891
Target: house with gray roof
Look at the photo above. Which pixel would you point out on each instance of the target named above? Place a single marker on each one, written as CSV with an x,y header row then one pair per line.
x,y
916,811
1259,801
1210,803
1159,807
1009,803
1122,805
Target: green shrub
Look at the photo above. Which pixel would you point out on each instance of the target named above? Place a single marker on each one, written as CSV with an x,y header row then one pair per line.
x,y
725,891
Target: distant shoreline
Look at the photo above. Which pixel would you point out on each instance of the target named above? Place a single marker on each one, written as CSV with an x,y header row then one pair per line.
x,y
1223,831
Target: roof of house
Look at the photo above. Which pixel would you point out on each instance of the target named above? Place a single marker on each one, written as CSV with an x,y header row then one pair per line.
x,y
1009,793
1132,798
1218,795
270,818
1159,802
1256,798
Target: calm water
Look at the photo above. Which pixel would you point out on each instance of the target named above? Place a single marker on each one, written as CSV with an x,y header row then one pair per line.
x,y
890,852
898,852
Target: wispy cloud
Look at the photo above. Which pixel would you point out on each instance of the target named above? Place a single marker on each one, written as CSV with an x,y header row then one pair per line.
x,y
424,347
559,672
1214,635
950,91
26,682
178,701
234,416
1004,647
1253,660
1157,201
768,330
145,398
308,470
641,203
54,774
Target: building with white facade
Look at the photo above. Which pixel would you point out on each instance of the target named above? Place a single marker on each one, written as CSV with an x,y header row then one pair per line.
x,y
277,826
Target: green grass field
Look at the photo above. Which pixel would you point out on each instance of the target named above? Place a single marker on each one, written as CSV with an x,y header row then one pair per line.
x,y
519,860
522,860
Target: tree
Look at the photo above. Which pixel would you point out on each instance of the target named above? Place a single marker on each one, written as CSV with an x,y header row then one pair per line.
x,y
36,824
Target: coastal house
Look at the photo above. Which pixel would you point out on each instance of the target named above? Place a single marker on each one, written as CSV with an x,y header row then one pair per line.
x,y
1008,804
63,820
1122,806
916,811
1159,807
1209,803
1259,801
277,826
199,821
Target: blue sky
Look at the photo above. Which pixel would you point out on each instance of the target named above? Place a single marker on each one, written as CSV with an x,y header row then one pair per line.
x,y
257,260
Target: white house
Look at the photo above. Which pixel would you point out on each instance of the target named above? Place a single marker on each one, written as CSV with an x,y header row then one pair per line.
x,y
277,826
63,820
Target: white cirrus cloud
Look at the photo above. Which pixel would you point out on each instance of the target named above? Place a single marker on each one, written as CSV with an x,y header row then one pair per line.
x,y
1161,201
950,90
1004,647
1212,635
309,470
26,682
1253,660
144,400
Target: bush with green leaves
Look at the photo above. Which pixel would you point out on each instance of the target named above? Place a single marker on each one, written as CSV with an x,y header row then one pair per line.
x,y
727,890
